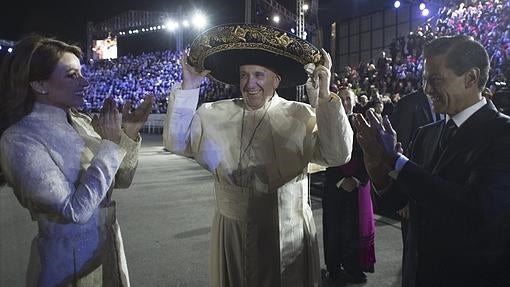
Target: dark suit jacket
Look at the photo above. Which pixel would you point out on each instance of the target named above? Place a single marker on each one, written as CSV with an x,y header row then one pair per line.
x,y
459,228
410,113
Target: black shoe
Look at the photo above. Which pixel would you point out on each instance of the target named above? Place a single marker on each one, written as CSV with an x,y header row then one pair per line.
x,y
356,276
329,278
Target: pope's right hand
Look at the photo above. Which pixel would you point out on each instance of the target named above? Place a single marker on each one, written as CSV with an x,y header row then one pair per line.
x,y
191,78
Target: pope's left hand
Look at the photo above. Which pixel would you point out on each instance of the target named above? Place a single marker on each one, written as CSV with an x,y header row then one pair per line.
x,y
133,121
321,76
312,89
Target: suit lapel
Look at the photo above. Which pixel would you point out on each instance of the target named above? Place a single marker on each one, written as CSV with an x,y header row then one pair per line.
x,y
469,136
426,108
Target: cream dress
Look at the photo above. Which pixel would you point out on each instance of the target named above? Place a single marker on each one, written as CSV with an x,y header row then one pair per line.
x,y
64,175
263,233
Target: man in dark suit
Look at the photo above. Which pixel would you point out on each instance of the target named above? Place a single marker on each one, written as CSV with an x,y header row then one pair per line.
x,y
501,100
411,112
457,176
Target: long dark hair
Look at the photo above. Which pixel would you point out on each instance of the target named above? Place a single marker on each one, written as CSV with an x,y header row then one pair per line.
x,y
34,58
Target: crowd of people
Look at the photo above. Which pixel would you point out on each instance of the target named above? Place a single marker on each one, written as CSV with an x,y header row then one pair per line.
x,y
129,78
397,72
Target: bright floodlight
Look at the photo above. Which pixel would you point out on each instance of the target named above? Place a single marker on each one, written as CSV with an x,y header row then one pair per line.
x,y
425,12
185,23
199,21
276,19
293,30
396,4
9,50
422,6
305,7
171,25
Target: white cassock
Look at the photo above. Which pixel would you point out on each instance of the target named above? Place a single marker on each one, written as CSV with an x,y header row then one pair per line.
x,y
263,232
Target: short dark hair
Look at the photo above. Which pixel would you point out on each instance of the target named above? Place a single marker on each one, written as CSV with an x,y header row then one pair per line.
x,y
462,53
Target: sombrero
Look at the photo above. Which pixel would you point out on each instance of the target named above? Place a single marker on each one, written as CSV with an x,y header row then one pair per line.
x,y
224,48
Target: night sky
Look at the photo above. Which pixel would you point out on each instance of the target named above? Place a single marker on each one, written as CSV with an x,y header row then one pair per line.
x,y
67,19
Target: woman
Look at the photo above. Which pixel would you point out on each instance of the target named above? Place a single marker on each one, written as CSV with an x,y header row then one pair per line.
x,y
63,165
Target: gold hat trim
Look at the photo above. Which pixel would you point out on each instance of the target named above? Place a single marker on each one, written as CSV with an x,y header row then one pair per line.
x,y
266,38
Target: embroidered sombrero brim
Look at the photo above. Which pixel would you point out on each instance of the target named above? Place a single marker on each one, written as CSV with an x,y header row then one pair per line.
x,y
223,49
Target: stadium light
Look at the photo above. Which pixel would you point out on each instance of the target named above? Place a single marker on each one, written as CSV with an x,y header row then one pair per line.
x,y
9,50
199,21
185,23
171,25
276,19
305,7
293,31
396,4
422,6
425,12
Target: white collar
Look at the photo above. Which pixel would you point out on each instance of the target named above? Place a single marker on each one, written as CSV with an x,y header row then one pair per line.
x,y
49,111
461,117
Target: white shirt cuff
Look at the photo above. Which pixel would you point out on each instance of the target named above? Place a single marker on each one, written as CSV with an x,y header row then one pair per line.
x,y
401,161
399,165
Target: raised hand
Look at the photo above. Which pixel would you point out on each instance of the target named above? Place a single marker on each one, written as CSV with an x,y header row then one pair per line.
x,y
379,144
132,122
312,88
107,124
322,75
191,78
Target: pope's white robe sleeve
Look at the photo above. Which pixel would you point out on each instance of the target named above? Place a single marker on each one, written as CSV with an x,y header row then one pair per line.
x,y
333,136
182,106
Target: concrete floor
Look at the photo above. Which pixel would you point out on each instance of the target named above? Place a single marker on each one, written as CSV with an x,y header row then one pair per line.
x,y
165,218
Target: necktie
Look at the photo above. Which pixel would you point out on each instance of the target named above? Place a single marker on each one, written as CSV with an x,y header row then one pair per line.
x,y
448,132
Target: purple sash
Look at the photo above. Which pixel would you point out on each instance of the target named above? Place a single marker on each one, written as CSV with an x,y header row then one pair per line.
x,y
366,217
366,228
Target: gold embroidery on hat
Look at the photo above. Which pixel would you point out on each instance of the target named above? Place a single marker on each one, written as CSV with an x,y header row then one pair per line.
x,y
223,38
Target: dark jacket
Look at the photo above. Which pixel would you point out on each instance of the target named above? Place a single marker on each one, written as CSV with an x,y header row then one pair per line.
x,y
459,228
410,113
